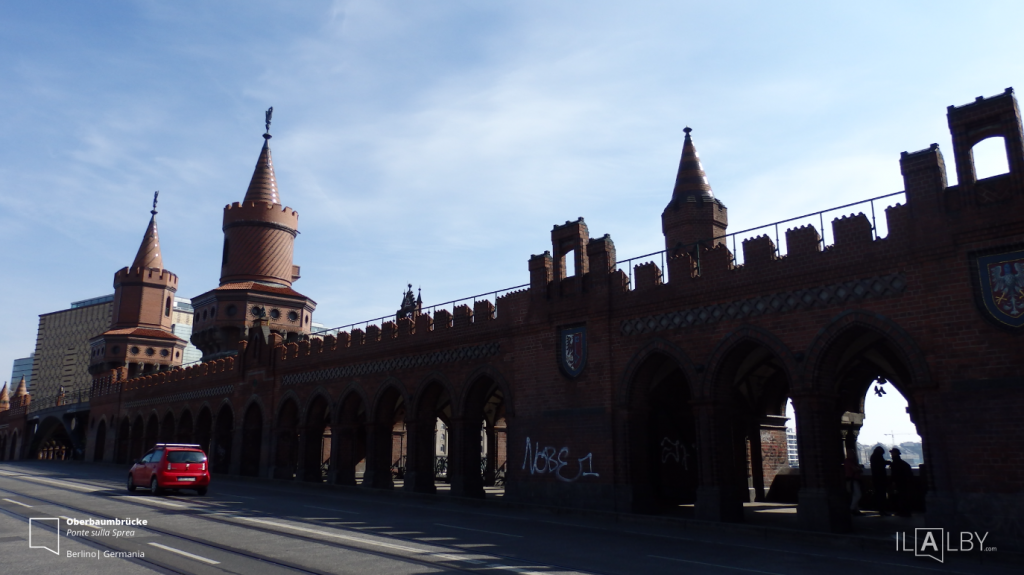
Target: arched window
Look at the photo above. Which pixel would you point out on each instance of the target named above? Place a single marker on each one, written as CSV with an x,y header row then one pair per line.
x,y
989,156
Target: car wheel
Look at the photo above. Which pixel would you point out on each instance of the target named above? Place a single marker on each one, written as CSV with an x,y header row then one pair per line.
x,y
154,488
131,483
201,491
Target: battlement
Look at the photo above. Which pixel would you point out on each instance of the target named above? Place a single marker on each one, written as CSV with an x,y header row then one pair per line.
x,y
147,276
261,212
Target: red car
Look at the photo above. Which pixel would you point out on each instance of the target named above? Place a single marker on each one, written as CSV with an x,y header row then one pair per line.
x,y
171,466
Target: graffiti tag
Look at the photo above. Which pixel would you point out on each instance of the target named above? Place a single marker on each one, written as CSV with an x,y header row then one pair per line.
x,y
670,450
548,460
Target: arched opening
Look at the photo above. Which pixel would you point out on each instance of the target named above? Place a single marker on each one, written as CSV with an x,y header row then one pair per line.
x,y
101,441
662,438
222,441
990,158
167,429
3,447
252,440
14,452
203,431
138,433
52,441
286,459
427,460
469,467
152,432
870,371
382,454
350,436
123,445
185,427
318,440
753,386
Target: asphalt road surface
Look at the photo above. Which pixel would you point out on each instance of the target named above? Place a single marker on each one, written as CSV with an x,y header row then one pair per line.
x,y
250,527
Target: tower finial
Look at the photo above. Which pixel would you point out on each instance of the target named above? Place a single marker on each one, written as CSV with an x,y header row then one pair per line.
x,y
155,195
270,114
687,130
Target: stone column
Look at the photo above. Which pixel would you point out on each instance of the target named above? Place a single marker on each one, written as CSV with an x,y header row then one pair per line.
x,y
235,467
378,456
719,496
824,504
419,463
464,458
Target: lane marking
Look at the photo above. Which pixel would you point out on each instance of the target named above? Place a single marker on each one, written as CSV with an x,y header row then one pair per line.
x,y
477,530
332,509
17,502
143,501
59,483
716,565
185,554
438,555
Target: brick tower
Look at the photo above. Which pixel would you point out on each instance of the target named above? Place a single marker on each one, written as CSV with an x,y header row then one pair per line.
x,y
256,270
694,214
140,327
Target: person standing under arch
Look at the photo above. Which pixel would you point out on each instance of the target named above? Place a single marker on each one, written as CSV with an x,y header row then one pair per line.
x,y
879,479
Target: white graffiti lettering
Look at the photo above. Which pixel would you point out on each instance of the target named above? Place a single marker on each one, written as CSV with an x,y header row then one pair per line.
x,y
547,460
670,449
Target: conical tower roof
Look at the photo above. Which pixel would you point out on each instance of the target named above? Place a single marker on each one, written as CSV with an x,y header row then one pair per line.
x,y
149,252
263,186
691,181
5,400
22,390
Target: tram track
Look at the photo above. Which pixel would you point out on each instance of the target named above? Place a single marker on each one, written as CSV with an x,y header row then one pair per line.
x,y
440,557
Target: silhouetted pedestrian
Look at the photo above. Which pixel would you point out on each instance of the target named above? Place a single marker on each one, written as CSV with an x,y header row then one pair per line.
x,y
853,471
879,480
902,484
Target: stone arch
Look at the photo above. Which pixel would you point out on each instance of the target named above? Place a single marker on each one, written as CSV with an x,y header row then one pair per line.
x,y
202,431
320,391
749,380
661,429
185,427
122,448
100,441
152,431
136,449
167,428
426,453
855,351
349,435
252,436
389,405
52,440
286,440
819,364
316,426
14,451
475,457
656,346
223,438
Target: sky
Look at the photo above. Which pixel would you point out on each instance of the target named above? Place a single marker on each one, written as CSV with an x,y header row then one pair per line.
x,y
436,143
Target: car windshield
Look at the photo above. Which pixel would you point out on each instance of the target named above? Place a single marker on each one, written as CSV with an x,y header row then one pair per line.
x,y
186,457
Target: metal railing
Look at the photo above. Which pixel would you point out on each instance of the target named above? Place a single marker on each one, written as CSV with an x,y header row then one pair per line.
x,y
732,237
491,295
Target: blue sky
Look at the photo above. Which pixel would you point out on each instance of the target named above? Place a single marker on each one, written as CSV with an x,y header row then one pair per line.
x,y
437,143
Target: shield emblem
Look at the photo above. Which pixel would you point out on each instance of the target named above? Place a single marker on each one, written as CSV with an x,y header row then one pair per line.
x,y
1001,279
572,352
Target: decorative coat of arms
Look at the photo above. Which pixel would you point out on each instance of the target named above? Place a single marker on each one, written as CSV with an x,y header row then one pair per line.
x,y
1001,278
572,349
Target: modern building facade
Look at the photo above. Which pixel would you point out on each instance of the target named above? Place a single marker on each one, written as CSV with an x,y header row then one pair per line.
x,y
22,368
627,386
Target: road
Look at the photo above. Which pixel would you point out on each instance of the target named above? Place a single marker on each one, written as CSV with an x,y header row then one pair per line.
x,y
249,527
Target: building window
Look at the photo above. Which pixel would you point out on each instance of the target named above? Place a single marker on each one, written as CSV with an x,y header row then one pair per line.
x,y
167,307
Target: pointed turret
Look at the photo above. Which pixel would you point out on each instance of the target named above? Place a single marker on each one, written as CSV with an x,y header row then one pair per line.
x,y
263,185
5,399
149,256
22,388
691,181
693,215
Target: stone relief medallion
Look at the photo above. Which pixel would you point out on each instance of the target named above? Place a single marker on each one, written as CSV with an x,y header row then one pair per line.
x,y
1001,283
572,349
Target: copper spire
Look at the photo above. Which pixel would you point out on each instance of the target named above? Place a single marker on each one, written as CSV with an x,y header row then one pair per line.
x,y
263,186
691,182
149,252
